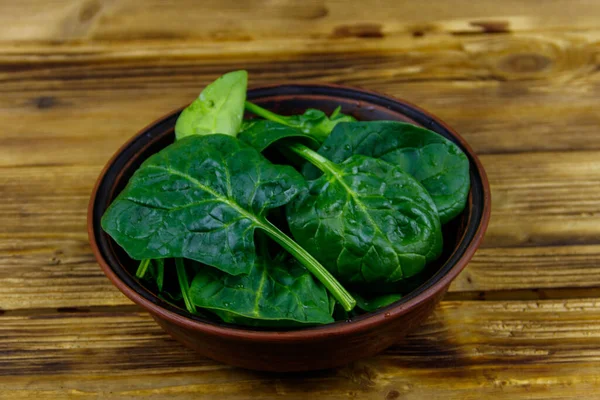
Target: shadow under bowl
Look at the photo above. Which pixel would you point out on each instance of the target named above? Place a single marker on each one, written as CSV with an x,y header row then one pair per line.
x,y
309,348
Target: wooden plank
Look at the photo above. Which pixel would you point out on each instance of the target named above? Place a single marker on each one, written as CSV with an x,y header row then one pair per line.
x,y
495,269
544,199
463,351
537,94
99,121
46,272
227,20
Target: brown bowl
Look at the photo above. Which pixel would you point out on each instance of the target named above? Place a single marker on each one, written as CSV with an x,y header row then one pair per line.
x,y
308,348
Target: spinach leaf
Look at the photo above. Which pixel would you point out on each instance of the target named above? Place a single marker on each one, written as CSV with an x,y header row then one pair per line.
x,y
437,163
202,198
374,303
313,122
262,133
366,220
272,294
218,109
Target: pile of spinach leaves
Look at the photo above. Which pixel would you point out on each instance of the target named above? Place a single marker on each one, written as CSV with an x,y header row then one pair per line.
x,y
221,229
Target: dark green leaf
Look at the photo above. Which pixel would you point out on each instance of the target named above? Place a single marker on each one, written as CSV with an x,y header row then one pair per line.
x,y
366,220
272,294
262,134
218,109
372,304
200,198
159,266
437,163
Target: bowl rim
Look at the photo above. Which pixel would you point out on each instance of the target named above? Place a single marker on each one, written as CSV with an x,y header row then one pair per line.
x,y
368,321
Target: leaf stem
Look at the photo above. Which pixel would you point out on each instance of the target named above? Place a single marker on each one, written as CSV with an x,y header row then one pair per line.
x,y
266,114
141,271
313,157
160,273
184,285
334,287
335,112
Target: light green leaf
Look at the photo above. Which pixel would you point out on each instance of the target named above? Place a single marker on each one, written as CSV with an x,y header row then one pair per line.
x,y
218,109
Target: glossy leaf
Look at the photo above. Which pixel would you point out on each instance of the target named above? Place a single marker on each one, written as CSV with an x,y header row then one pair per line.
x,y
366,220
313,122
374,303
271,294
437,163
366,194
262,134
200,198
218,109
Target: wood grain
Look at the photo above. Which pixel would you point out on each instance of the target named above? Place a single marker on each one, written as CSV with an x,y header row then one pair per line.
x,y
492,90
496,269
227,20
463,351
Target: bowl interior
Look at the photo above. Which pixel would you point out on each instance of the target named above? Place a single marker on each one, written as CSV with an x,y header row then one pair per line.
x,y
290,99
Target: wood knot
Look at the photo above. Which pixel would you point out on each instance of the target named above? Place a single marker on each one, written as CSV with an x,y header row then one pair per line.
x,y
392,395
316,13
358,30
492,26
527,63
44,102
513,58
89,11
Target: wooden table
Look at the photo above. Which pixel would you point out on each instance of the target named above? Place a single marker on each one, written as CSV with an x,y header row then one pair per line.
x,y
520,80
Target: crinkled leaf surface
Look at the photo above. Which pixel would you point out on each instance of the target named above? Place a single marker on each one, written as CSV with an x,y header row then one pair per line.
x,y
271,294
437,163
218,109
200,198
367,221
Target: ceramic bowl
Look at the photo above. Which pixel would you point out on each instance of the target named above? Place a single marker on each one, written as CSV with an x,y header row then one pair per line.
x,y
308,348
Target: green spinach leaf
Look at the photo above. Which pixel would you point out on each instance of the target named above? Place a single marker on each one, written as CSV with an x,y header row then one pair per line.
x,y
374,303
313,122
366,220
218,109
262,134
437,163
202,198
271,294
